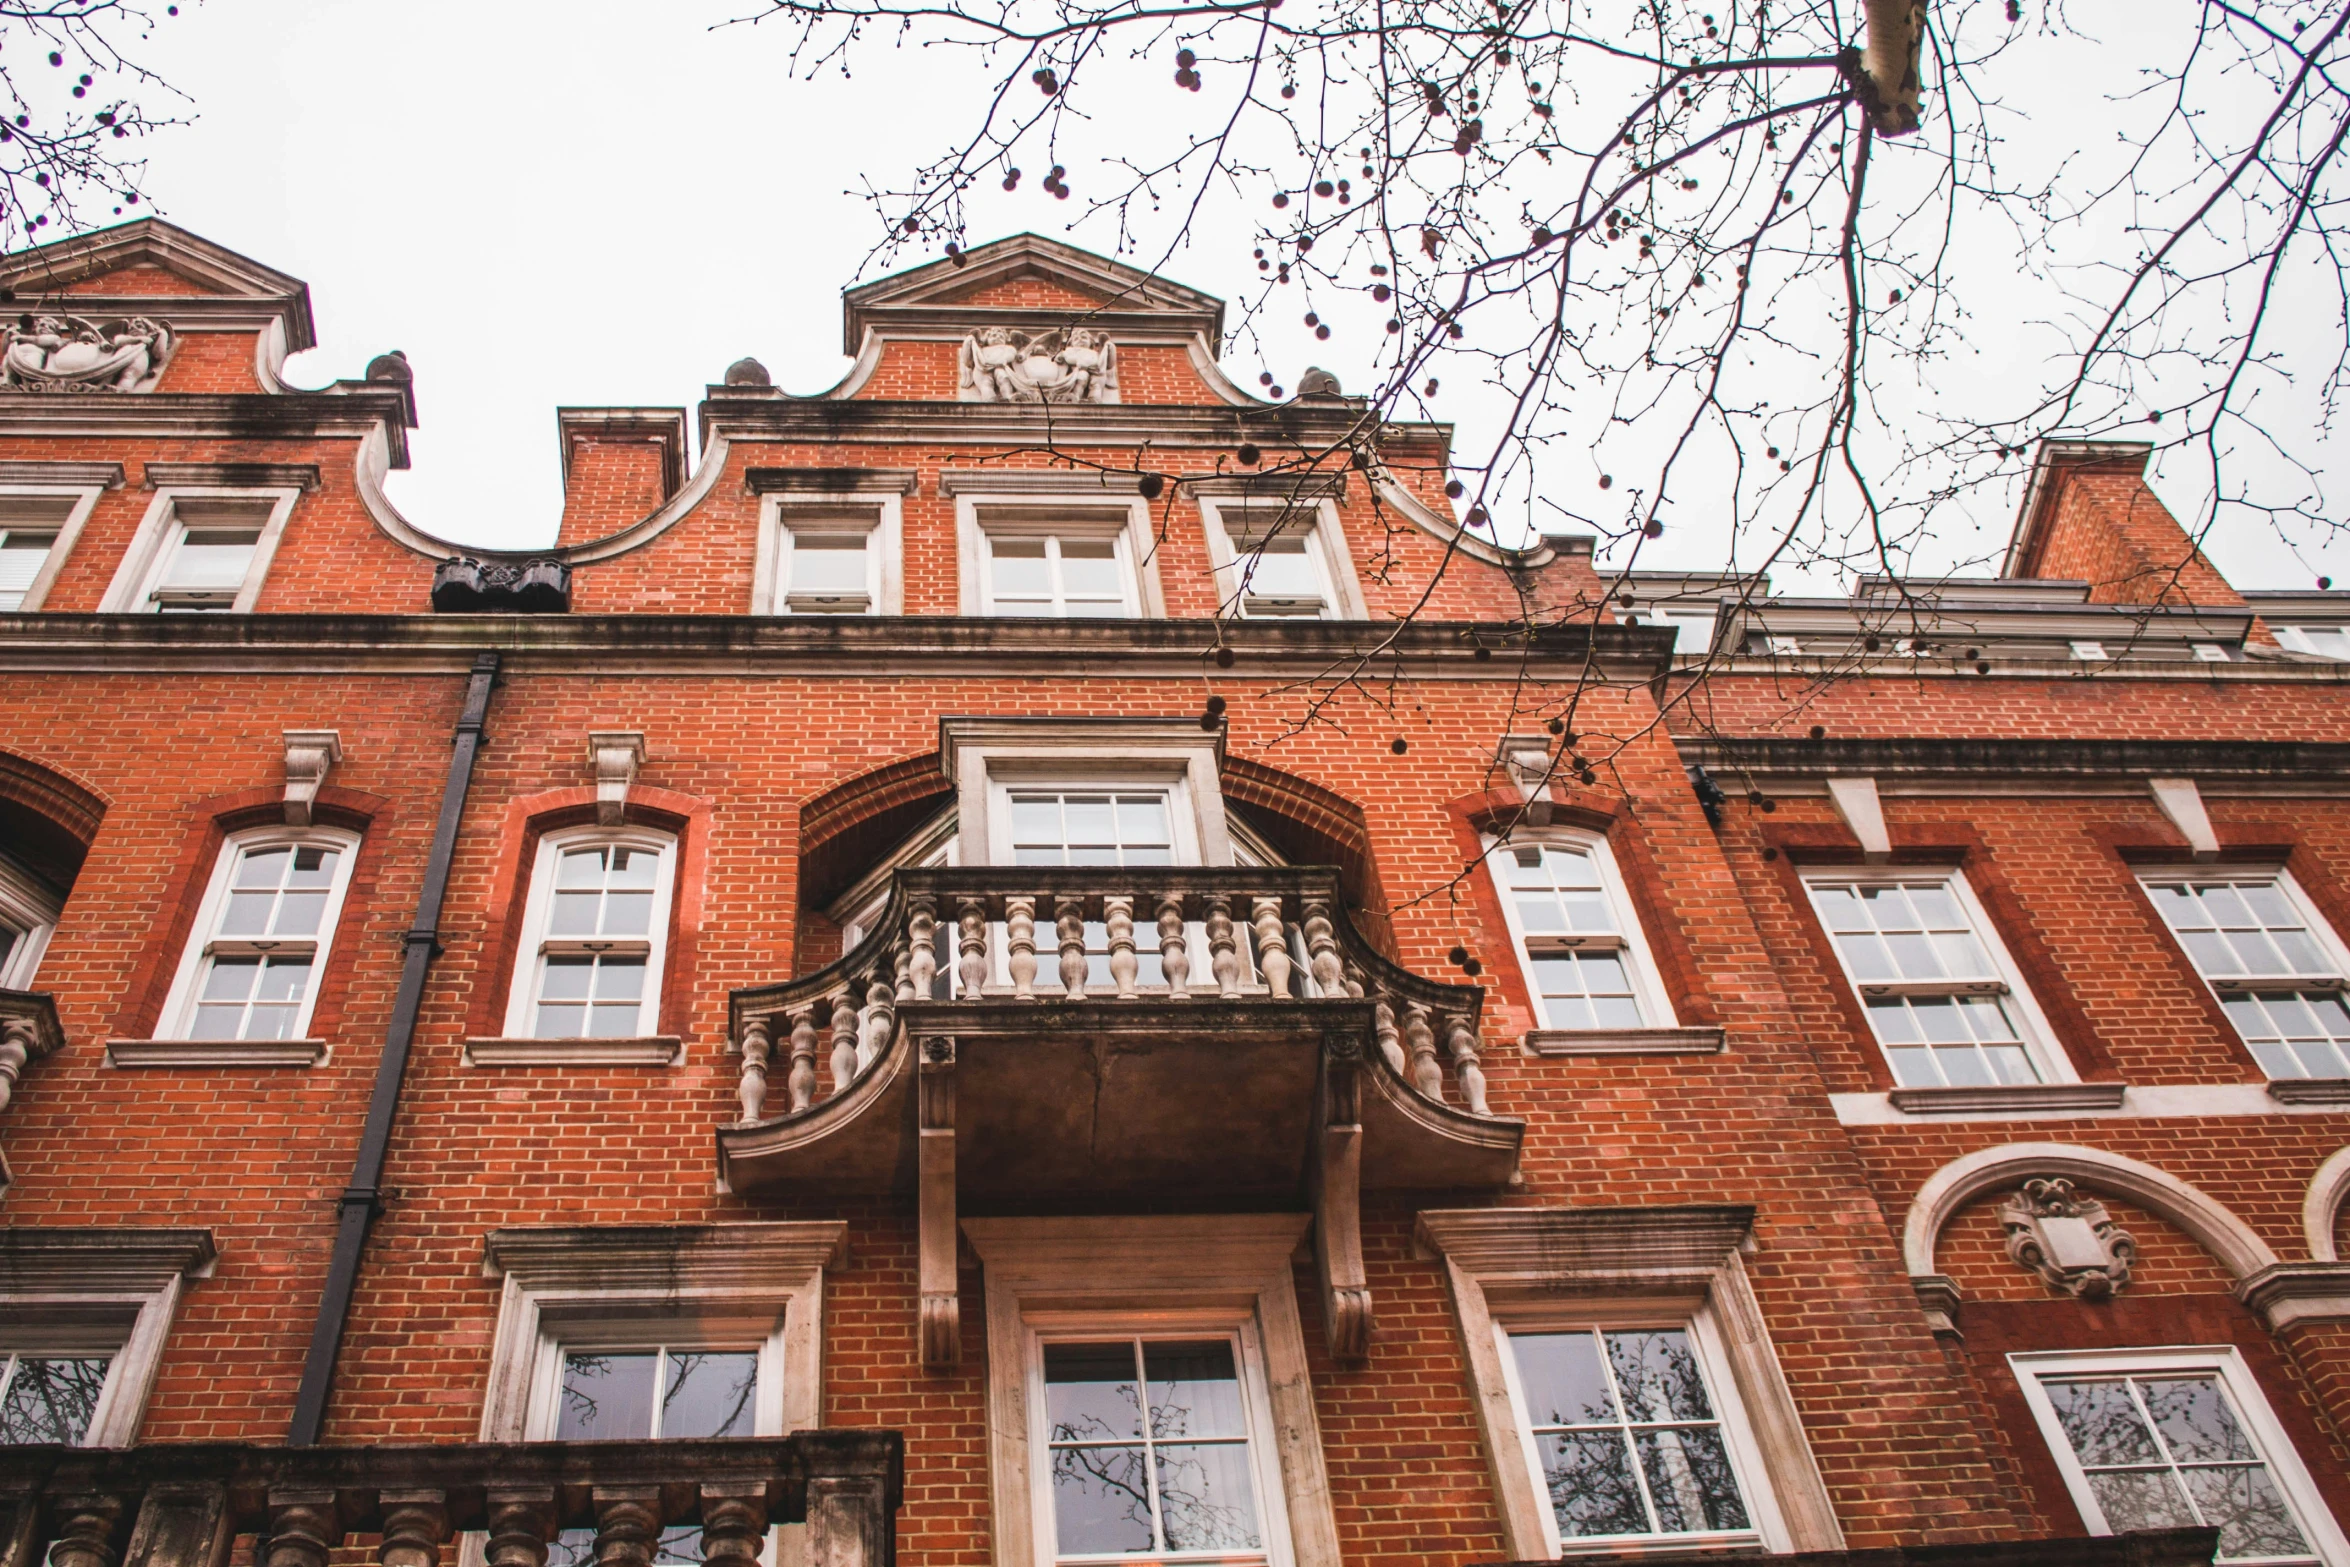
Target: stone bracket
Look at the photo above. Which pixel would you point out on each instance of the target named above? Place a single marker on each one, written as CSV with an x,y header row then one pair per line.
x,y
1334,1173
616,754
310,754
941,1308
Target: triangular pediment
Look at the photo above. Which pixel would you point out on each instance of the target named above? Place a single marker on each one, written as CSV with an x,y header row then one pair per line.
x,y
1028,275
151,261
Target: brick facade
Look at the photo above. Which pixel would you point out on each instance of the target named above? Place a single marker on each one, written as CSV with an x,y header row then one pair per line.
x,y
788,755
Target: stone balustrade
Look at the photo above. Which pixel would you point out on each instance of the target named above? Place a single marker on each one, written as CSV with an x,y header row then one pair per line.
x,y
1156,936
184,1504
28,1031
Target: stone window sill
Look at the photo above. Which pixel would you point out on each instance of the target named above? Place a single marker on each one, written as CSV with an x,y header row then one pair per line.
x,y
2007,1097
1624,1042
652,1050
2310,1090
302,1053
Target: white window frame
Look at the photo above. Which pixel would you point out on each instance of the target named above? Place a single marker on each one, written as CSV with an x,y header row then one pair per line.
x,y
30,909
74,503
100,1291
179,1006
2251,1407
538,908
2031,1024
879,516
2296,638
1544,1269
986,758
1656,1008
1697,1319
1010,515
160,531
1226,518
2321,930
1156,1275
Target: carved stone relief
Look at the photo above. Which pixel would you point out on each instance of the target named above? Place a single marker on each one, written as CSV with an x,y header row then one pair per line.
x,y
1066,365
71,354
2068,1239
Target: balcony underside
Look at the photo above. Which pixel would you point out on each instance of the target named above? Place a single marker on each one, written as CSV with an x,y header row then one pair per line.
x,y
1085,1102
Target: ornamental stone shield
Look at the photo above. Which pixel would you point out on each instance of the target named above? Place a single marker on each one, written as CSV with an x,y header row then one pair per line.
x,y
2068,1239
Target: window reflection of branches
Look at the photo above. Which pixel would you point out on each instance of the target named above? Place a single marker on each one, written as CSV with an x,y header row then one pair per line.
x,y
1150,1448
49,1398
617,1395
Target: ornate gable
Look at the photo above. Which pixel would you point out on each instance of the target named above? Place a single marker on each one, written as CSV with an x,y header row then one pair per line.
x,y
1028,283
165,275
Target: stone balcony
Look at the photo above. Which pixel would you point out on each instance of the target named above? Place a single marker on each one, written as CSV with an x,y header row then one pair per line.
x,y
183,1504
1095,1037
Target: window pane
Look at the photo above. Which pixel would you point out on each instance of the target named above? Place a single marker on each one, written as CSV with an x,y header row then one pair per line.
x,y
709,1394
606,1397
1657,1376
51,1398
1090,1393
1206,1499
1689,1480
2140,1499
21,557
1194,1390
2102,1422
1562,1379
828,563
2252,1517
1101,1500
1589,1477
212,558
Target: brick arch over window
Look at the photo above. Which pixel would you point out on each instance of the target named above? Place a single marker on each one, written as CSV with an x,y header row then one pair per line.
x,y
2205,1220
849,826
50,818
1311,825
2321,1212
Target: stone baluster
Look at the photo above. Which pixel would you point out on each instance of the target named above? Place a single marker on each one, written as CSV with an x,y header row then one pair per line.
x,y
880,1018
1390,1041
1223,948
922,947
973,971
89,1530
16,1048
902,969
628,1524
802,1079
521,1524
734,1523
844,1040
303,1527
1426,1075
1118,914
1467,1074
1069,924
1354,982
415,1523
758,1046
1322,959
1020,940
1272,947
1174,947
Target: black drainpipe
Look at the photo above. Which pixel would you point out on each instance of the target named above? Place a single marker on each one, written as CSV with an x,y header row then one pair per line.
x,y
361,1198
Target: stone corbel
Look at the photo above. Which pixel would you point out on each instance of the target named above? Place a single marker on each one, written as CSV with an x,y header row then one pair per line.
x,y
941,1320
1335,1175
310,754
1530,764
2182,802
615,754
28,1031
2288,1292
1856,801
1938,1294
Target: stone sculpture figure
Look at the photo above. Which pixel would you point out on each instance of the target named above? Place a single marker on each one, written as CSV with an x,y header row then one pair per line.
x,y
69,354
1066,365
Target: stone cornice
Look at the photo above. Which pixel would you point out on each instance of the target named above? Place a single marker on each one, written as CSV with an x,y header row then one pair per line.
x,y
1534,1246
625,1258
291,416
2287,1292
761,413
704,645
39,1259
1910,758
932,294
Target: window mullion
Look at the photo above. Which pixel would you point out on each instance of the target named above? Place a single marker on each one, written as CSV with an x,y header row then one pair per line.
x,y
1150,1453
660,1388
2170,1462
1615,1389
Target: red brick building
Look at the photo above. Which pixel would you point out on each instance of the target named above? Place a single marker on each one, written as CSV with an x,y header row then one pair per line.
x,y
1032,959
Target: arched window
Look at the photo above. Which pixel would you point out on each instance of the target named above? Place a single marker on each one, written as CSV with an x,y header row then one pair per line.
x,y
1579,945
595,934
262,936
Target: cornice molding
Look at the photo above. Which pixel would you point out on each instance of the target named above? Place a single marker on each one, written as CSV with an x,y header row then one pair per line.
x,y
832,481
762,413
362,409
848,645
685,1258
1551,1246
231,475
55,1260
1909,758
1138,1251
104,475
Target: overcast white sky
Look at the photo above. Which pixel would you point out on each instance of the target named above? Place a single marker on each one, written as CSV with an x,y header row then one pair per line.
x,y
606,204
